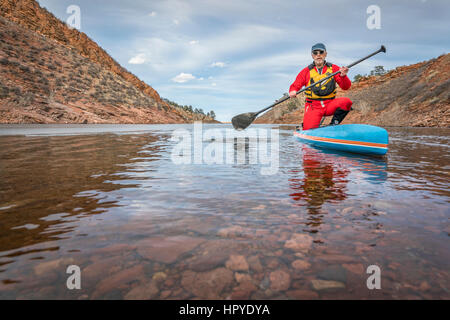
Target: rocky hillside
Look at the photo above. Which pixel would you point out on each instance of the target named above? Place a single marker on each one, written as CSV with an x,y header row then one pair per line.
x,y
289,112
51,73
415,95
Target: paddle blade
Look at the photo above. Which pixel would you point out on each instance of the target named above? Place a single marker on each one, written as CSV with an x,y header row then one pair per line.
x,y
243,120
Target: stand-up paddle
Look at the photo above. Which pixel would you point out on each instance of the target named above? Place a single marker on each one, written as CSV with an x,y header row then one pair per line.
x,y
243,120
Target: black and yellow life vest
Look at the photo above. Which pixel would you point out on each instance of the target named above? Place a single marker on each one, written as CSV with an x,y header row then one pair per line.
x,y
324,91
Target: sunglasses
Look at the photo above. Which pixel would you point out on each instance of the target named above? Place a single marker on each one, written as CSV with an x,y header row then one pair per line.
x,y
316,52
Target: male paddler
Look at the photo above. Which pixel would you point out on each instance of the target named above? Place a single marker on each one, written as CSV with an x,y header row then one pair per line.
x,y
321,99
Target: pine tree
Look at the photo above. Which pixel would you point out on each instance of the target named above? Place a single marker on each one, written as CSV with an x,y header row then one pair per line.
x,y
377,71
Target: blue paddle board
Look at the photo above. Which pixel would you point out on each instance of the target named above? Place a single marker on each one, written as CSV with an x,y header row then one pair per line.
x,y
355,138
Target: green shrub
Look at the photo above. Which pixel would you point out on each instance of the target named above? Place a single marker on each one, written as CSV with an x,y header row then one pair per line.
x,y
378,71
357,78
4,92
16,91
24,68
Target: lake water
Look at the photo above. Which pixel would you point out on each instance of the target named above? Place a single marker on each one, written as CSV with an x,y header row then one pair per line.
x,y
115,202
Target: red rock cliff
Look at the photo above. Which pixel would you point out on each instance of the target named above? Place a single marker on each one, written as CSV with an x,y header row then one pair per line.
x,y
29,14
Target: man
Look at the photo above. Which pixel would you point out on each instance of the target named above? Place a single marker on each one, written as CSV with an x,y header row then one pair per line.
x,y
321,99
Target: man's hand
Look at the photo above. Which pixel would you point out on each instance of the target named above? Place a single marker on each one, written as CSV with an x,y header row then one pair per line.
x,y
344,71
293,94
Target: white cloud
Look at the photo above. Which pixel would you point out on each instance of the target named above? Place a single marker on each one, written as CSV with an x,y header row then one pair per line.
x,y
214,84
201,78
242,38
175,52
139,59
218,64
183,77
276,62
176,22
152,14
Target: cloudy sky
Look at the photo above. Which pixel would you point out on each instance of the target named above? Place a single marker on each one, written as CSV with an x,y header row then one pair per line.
x,y
237,56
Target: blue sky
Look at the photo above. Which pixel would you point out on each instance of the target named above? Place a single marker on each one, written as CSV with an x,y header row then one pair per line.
x,y
239,56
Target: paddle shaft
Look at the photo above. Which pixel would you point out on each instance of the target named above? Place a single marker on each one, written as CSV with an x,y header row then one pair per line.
x,y
382,49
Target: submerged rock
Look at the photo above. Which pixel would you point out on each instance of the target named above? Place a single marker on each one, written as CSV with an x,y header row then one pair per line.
x,y
116,248
119,280
143,292
234,232
279,280
58,265
302,294
299,242
356,268
166,249
347,210
159,277
207,285
300,265
336,273
100,268
243,291
213,254
237,263
242,277
255,264
165,294
326,285
272,263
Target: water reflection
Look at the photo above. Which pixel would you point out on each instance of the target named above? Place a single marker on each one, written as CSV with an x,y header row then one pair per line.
x,y
324,176
61,179
140,226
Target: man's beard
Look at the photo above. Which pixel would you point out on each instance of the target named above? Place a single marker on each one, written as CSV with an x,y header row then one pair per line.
x,y
320,63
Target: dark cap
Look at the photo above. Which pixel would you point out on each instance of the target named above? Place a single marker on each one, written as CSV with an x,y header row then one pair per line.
x,y
318,46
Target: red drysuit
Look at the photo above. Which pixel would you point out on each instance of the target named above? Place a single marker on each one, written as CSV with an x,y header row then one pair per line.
x,y
316,109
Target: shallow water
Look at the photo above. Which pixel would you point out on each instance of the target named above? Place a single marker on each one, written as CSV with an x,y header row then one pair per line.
x,y
111,200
